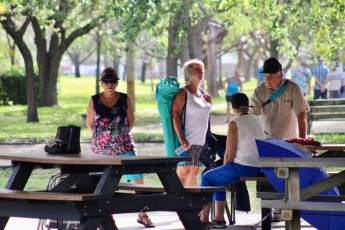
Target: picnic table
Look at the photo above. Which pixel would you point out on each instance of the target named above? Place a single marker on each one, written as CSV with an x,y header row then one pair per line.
x,y
295,198
79,197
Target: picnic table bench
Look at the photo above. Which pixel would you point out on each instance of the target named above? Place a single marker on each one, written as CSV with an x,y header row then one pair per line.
x,y
325,109
79,198
266,191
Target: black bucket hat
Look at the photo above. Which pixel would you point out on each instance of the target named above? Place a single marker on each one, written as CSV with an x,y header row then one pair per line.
x,y
272,65
109,74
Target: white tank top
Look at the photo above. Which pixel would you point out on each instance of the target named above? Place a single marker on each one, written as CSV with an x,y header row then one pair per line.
x,y
197,115
249,128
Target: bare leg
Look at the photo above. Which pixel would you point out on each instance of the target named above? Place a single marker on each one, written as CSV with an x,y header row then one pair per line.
x,y
219,210
192,178
182,172
228,106
205,213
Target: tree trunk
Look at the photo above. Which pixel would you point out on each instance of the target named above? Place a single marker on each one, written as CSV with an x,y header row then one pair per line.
x,y
32,115
130,64
212,61
77,69
196,39
184,53
98,54
220,77
48,61
173,39
17,36
11,49
274,48
48,71
143,71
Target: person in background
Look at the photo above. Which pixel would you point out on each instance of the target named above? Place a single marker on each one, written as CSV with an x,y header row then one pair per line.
x,y
335,81
302,76
320,73
110,119
260,75
198,108
240,158
285,116
233,85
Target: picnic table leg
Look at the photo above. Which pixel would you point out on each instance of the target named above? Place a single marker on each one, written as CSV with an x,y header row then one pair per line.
x,y
190,219
293,191
19,177
91,223
172,184
108,223
266,223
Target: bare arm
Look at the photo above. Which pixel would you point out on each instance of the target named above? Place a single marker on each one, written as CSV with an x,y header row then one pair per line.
x,y
130,114
241,86
327,80
231,143
302,124
90,119
176,111
225,83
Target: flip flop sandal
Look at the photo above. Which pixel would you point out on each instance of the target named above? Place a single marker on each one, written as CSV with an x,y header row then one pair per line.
x,y
207,225
218,224
145,220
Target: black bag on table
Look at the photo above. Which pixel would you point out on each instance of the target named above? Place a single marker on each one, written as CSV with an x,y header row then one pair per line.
x,y
67,140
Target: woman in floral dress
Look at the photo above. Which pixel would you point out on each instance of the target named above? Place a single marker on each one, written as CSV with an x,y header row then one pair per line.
x,y
110,119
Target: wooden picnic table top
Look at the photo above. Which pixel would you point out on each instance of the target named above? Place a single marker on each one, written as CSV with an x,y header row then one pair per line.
x,y
87,159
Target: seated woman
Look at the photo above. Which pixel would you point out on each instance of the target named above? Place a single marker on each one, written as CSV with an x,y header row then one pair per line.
x,y
240,159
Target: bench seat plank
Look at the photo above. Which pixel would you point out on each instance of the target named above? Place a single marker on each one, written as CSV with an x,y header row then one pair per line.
x,y
43,195
303,205
325,109
160,189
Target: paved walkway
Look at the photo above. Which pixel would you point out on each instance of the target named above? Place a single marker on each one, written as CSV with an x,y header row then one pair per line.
x,y
163,221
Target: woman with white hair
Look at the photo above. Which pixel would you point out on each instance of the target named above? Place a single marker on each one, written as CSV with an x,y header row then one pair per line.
x,y
197,103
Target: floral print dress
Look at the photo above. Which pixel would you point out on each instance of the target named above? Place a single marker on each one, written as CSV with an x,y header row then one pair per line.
x,y
111,134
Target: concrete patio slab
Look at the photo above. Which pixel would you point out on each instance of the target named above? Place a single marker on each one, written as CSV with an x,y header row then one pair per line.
x,y
163,221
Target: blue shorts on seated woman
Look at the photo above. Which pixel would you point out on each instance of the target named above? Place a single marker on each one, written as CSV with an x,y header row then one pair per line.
x,y
229,173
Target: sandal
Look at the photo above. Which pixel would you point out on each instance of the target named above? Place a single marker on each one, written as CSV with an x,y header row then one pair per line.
x,y
218,224
145,220
206,225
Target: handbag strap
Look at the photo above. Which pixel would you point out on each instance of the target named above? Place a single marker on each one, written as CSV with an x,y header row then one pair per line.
x,y
209,123
183,120
276,93
69,141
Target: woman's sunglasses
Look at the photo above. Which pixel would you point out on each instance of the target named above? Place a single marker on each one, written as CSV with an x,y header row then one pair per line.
x,y
113,82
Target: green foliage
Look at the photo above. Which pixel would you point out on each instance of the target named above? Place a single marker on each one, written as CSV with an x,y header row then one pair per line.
x,y
289,22
13,86
135,16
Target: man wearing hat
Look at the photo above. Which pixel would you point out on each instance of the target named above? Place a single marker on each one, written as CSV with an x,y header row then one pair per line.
x,y
320,73
281,104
